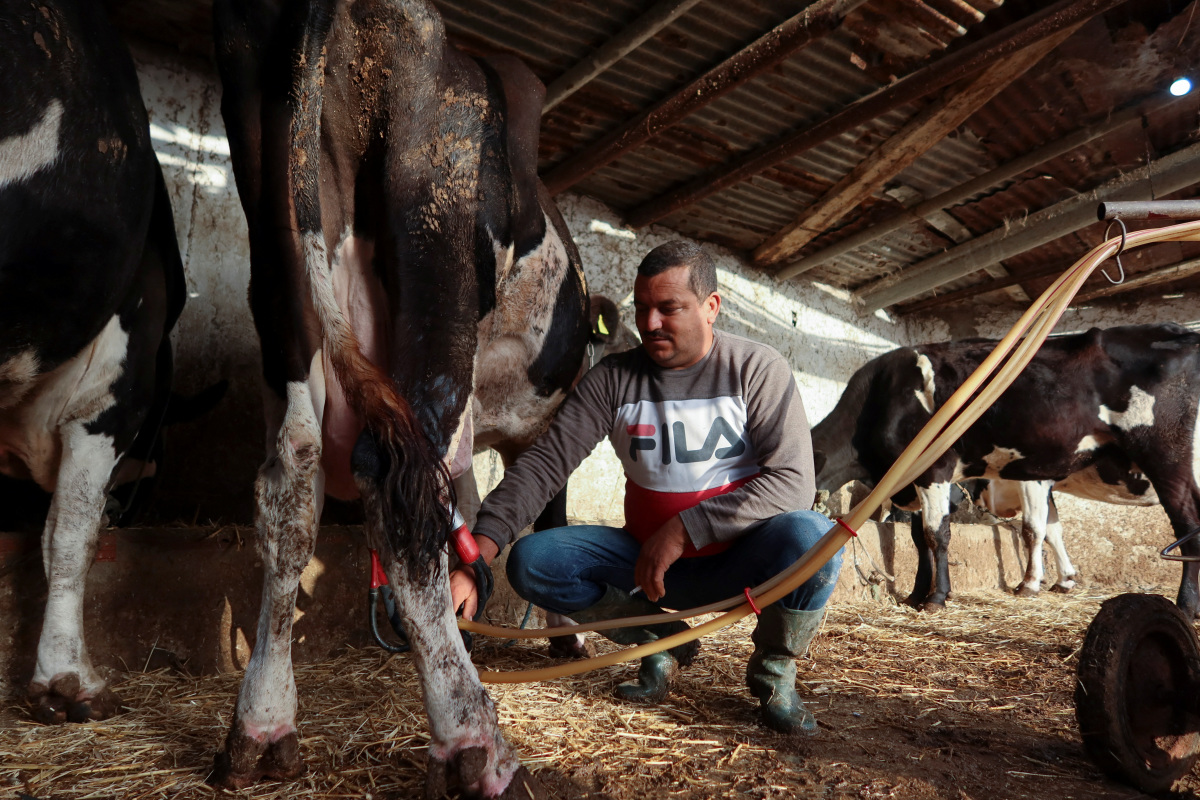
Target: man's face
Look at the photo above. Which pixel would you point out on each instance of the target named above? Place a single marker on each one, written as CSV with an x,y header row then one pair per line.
x,y
676,326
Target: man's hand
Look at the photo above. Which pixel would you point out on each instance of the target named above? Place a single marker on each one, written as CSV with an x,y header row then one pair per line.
x,y
658,553
463,593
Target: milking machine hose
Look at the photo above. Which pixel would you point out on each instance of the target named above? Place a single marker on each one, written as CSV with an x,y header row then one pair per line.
x,y
934,439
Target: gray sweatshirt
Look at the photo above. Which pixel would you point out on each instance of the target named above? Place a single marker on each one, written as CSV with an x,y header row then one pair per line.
x,y
724,443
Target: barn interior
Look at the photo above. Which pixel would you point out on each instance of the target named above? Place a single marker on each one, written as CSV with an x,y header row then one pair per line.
x,y
871,173
867,174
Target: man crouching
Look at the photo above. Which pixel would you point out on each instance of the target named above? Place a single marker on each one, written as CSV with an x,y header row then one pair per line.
x,y
713,437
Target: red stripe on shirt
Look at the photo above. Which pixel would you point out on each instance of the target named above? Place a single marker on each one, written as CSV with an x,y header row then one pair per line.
x,y
647,510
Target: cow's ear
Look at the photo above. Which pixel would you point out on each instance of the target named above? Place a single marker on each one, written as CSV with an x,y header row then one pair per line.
x,y
819,460
606,319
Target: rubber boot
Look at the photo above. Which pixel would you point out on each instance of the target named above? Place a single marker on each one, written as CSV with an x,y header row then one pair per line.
x,y
656,670
782,636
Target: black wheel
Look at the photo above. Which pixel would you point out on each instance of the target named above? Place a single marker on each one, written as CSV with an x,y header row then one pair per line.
x,y
1135,699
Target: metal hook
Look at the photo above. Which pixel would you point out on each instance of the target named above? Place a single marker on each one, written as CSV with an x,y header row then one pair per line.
x,y
1117,255
1169,556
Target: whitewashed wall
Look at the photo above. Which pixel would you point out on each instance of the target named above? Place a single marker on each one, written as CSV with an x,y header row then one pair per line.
x,y
214,459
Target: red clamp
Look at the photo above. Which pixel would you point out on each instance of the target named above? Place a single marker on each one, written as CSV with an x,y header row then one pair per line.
x,y
750,600
378,576
847,527
464,545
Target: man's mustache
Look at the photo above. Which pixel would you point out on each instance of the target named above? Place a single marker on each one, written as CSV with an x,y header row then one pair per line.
x,y
665,337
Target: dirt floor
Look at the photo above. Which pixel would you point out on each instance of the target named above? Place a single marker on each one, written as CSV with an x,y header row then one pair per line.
x,y
971,704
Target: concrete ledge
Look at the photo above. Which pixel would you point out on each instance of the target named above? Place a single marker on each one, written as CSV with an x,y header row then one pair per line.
x,y
190,597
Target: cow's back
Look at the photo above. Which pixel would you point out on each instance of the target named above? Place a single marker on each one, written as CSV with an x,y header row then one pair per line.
x,y
77,177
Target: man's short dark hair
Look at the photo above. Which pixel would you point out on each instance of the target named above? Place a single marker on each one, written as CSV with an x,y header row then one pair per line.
x,y
702,272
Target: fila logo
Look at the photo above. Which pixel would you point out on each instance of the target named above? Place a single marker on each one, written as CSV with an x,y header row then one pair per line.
x,y
642,437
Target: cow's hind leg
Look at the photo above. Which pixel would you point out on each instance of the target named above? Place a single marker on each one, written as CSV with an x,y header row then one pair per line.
x,y
1054,535
65,686
935,513
923,581
466,747
1035,516
263,740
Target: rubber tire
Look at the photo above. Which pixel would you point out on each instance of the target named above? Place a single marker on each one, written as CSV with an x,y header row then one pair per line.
x,y
1139,668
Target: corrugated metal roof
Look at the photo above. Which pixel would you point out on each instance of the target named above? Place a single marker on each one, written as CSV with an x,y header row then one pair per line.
x,y
1123,55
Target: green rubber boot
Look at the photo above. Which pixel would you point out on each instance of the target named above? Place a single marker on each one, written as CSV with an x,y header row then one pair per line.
x,y
782,636
657,670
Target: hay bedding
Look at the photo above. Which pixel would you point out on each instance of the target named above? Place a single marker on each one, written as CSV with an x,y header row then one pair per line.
x,y
971,704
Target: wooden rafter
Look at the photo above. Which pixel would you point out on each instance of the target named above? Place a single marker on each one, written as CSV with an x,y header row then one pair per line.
x,y
1177,171
765,52
908,89
925,209
923,131
659,16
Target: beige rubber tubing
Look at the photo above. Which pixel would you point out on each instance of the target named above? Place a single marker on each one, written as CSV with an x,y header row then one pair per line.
x,y
942,430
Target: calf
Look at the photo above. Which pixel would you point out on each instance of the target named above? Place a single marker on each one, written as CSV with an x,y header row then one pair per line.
x,y
1127,393
91,284
409,277
1110,480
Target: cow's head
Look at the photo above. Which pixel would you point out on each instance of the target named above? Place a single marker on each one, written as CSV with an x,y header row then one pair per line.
x,y
609,334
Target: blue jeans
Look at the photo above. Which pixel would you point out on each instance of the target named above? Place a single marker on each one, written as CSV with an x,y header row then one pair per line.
x,y
565,569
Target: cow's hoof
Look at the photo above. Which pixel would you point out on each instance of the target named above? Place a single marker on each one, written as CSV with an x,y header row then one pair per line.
x,y
61,702
913,601
1025,590
931,607
1063,587
571,646
246,760
467,771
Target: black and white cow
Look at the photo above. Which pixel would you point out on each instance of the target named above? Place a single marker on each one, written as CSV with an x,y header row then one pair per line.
x,y
410,281
1124,395
91,284
1112,479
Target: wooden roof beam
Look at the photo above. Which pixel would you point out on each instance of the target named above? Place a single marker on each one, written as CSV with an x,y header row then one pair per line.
x,y
812,23
1177,171
912,87
928,127
964,191
1175,272
1001,282
630,38
1184,269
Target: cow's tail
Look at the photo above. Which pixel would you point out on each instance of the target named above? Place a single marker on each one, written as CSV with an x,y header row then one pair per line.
x,y
413,483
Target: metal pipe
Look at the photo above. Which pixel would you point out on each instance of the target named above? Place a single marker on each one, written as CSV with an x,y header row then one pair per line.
x,y
626,41
908,89
1149,209
765,52
957,194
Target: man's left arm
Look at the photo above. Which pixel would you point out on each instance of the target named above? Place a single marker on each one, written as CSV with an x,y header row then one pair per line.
x,y
777,428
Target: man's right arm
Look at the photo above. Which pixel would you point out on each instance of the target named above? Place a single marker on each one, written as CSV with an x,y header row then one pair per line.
x,y
582,422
